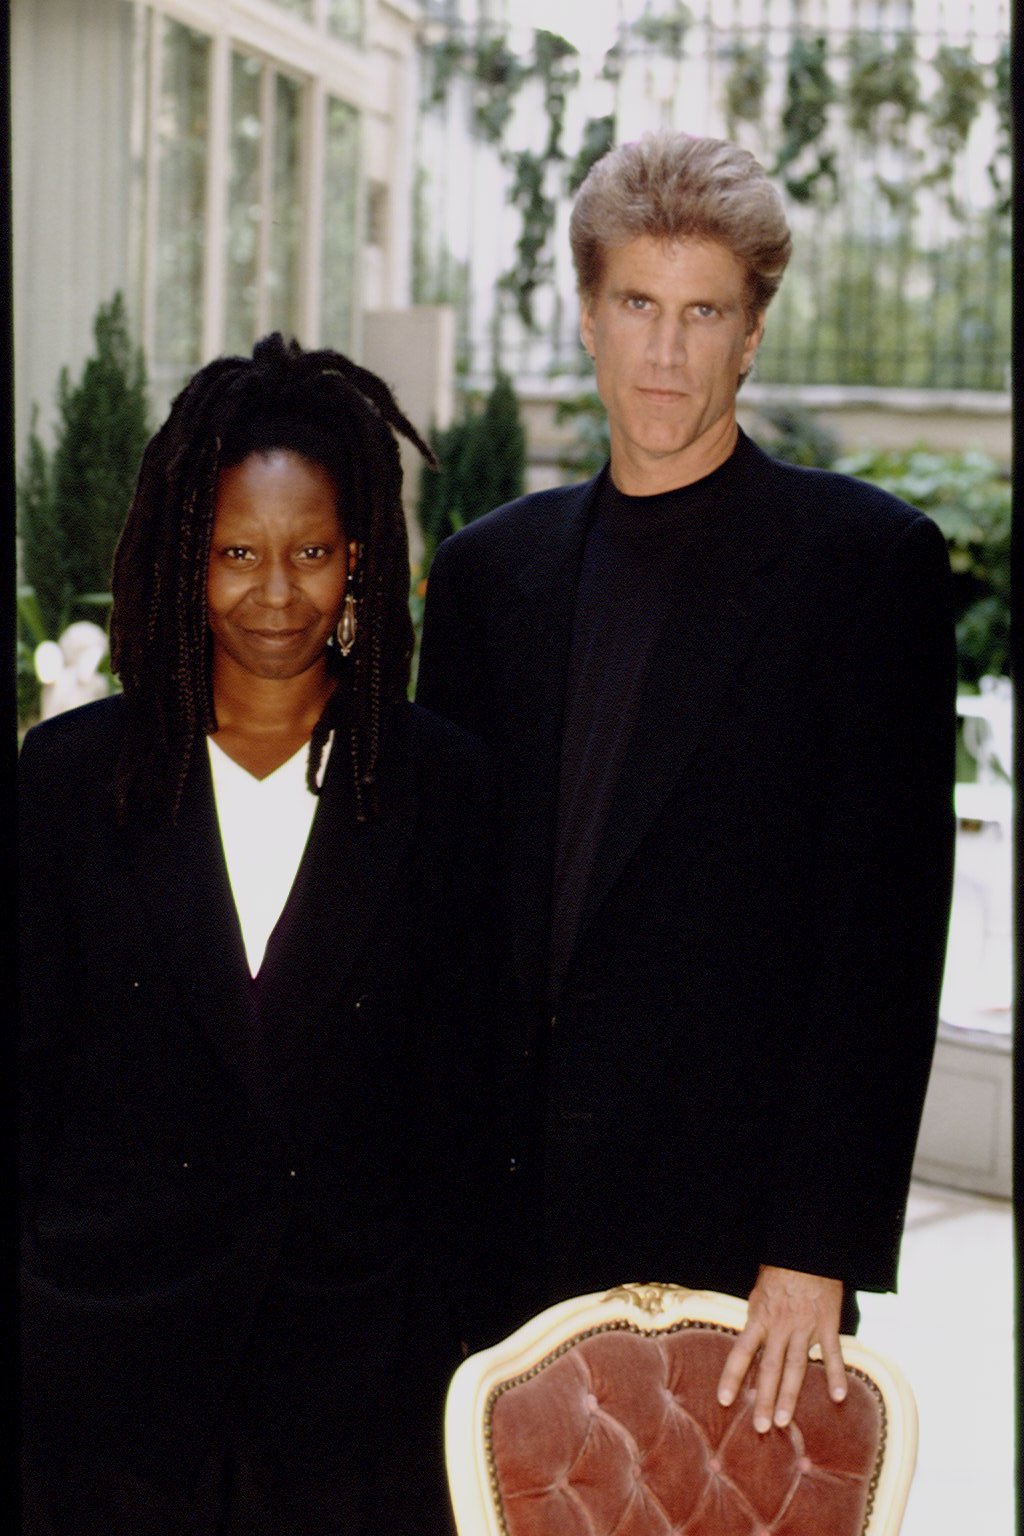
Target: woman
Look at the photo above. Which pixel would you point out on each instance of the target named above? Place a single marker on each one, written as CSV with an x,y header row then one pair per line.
x,y
252,898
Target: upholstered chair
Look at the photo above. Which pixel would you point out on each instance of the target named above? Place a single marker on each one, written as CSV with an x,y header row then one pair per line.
x,y
600,1416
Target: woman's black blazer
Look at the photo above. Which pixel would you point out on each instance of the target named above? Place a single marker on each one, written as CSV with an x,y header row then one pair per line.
x,y
193,1141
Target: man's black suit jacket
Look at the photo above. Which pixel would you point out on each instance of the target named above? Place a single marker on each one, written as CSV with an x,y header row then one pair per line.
x,y
216,1169
734,1070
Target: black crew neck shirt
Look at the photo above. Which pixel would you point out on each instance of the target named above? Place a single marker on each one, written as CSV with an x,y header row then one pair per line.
x,y
635,550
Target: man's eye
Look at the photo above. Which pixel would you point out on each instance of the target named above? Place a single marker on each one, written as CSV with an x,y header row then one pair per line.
x,y
637,301
705,311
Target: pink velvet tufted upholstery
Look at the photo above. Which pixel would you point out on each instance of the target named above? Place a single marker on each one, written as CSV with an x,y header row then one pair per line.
x,y
600,1417
621,1432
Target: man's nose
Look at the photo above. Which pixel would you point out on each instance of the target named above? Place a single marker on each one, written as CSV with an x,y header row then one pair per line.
x,y
667,343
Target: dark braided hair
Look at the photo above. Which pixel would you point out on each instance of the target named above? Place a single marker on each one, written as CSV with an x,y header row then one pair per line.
x,y
335,414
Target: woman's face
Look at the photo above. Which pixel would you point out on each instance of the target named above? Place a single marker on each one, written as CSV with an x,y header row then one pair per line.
x,y
278,565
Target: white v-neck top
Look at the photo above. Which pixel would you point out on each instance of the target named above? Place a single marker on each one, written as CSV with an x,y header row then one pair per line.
x,y
264,827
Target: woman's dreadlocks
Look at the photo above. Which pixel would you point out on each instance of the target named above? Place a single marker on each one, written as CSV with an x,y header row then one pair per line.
x,y
339,416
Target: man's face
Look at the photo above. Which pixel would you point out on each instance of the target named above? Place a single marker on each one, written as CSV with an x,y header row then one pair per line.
x,y
670,337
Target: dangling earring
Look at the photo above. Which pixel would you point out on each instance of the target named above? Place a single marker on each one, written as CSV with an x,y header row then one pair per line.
x,y
345,634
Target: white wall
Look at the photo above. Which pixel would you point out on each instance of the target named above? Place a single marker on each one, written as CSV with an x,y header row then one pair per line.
x,y
71,103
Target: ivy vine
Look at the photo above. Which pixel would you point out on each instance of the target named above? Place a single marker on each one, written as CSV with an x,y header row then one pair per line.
x,y
598,138
552,66
496,76
532,266
882,89
664,30
745,85
951,115
877,88
810,92
999,165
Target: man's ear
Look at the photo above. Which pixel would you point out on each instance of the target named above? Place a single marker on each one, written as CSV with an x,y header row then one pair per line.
x,y
586,327
752,342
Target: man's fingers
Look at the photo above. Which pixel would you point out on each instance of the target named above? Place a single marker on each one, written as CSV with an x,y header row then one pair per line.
x,y
737,1365
769,1374
792,1380
835,1368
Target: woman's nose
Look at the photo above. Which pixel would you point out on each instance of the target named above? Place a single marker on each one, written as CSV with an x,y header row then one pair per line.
x,y
276,589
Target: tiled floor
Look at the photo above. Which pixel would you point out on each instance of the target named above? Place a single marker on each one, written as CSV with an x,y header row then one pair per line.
x,y
950,1329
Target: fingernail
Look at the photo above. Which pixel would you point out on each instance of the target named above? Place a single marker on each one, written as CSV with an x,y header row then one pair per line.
x,y
838,1394
725,1398
782,1418
762,1424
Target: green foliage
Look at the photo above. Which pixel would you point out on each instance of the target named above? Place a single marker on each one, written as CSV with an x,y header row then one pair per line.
x,y
446,58
531,192
810,92
598,138
592,446
796,435
552,66
883,91
72,504
999,165
532,266
32,630
888,315
874,306
969,497
44,550
497,76
103,432
482,461
664,30
960,94
745,84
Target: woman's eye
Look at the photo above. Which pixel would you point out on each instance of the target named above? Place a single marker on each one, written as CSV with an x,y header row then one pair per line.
x,y
313,552
237,552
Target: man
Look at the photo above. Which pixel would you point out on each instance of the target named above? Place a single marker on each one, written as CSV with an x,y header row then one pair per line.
x,y
722,689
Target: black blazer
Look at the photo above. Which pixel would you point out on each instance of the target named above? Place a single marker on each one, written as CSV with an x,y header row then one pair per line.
x,y
205,1156
734,1071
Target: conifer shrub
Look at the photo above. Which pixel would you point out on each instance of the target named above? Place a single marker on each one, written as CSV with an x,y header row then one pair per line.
x,y
482,460
73,500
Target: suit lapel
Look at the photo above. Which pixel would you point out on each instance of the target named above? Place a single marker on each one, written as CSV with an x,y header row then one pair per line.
x,y
180,874
539,635
342,884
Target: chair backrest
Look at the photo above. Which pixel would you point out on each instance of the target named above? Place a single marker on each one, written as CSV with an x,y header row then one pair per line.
x,y
600,1415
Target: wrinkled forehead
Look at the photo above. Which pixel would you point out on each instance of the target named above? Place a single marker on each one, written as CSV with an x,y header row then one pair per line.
x,y
675,261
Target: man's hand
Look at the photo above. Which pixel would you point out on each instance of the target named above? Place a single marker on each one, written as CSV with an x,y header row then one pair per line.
x,y
788,1313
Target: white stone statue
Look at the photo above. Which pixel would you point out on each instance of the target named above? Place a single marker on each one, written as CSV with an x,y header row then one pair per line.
x,y
69,668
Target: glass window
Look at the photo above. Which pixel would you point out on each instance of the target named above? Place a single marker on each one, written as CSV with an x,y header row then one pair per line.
x,y
265,212
341,172
181,129
286,209
244,213
345,19
376,214
303,8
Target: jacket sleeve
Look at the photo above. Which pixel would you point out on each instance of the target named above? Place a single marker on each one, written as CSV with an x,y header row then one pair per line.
x,y
49,967
881,892
452,679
